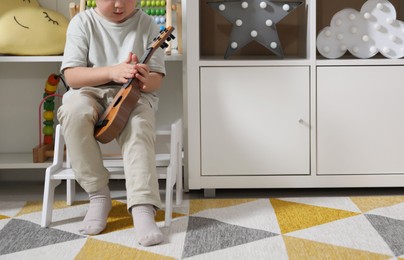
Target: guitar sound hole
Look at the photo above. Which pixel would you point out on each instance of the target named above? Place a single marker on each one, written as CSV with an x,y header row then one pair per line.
x,y
117,101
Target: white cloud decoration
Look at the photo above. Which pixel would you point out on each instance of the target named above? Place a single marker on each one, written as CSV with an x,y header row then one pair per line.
x,y
374,29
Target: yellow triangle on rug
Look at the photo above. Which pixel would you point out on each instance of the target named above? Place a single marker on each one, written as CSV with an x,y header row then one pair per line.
x,y
306,249
368,203
97,249
294,216
36,206
198,205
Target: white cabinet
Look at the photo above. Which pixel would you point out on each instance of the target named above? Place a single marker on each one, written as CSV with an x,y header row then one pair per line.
x,y
258,121
360,122
254,121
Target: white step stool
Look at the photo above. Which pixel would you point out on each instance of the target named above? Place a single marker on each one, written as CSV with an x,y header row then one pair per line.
x,y
172,172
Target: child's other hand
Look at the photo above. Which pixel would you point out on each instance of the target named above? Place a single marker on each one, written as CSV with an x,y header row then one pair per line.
x,y
142,74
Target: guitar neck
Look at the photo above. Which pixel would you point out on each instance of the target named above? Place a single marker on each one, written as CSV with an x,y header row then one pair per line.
x,y
147,55
144,59
159,41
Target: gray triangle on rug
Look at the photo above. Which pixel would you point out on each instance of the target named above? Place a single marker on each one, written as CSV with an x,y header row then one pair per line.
x,y
18,235
207,235
391,230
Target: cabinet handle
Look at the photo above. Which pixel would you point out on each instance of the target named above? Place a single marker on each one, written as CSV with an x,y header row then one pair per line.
x,y
301,121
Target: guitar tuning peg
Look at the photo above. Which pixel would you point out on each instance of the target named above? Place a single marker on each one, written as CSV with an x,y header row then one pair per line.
x,y
164,45
172,36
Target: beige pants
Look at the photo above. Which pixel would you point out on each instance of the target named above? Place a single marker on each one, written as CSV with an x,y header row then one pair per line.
x,y
78,115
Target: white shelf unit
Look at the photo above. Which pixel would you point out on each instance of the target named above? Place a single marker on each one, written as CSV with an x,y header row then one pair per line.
x,y
3,58
22,82
223,151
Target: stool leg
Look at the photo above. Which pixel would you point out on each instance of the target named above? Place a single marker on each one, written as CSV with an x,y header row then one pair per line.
x,y
169,198
178,183
70,191
48,199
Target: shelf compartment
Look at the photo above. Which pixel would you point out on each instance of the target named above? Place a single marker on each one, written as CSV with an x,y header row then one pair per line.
x,y
215,33
325,10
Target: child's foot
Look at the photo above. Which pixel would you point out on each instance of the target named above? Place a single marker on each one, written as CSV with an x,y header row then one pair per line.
x,y
147,231
95,220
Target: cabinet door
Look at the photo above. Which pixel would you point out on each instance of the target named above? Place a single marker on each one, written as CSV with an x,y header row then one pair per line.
x,y
254,120
360,121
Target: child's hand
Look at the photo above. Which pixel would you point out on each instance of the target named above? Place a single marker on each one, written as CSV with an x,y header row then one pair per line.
x,y
142,73
122,72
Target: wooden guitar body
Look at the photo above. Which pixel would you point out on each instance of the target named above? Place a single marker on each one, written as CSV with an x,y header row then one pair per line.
x,y
114,119
111,122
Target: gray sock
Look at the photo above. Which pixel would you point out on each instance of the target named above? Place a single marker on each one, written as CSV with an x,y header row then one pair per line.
x,y
146,229
95,220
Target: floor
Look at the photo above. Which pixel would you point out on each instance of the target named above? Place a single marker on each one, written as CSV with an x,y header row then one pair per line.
x,y
18,190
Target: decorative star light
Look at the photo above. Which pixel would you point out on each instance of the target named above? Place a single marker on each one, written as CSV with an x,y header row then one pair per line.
x,y
254,20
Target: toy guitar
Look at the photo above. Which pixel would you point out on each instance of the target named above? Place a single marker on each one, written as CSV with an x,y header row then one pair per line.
x,y
114,119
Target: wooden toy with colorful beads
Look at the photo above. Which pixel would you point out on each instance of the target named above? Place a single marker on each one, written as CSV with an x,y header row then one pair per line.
x,y
49,107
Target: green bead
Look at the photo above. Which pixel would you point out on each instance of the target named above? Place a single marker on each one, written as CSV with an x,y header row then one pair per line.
x,y
49,106
47,130
49,122
49,99
162,11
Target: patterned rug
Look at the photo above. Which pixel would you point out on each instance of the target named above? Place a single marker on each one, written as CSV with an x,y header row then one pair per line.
x,y
271,228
